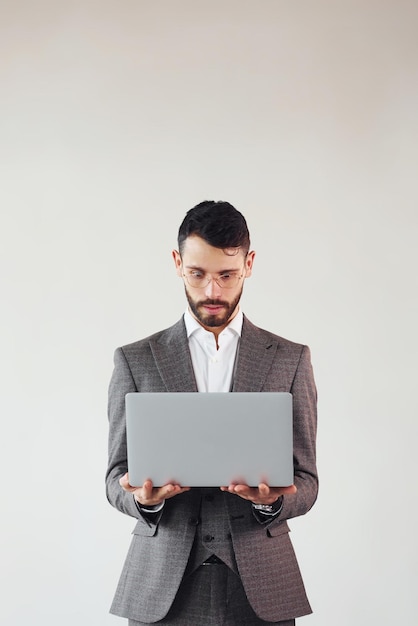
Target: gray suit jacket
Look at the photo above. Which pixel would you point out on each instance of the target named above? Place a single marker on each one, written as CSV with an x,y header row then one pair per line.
x,y
160,550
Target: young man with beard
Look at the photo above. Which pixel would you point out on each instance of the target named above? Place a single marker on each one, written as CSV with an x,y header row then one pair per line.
x,y
201,556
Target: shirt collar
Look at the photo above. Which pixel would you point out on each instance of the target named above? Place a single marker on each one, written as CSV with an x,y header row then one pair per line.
x,y
192,325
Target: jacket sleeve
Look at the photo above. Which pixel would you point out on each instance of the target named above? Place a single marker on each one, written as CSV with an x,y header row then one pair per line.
x,y
304,441
121,383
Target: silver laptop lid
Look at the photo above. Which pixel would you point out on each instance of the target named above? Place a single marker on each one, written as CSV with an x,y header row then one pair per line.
x,y
210,439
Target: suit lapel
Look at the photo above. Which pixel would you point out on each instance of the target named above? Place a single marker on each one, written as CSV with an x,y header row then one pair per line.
x,y
255,357
172,357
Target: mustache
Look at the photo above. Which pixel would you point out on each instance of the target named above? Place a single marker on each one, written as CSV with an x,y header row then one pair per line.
x,y
212,303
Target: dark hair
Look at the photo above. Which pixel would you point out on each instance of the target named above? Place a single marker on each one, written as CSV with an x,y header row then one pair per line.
x,y
218,223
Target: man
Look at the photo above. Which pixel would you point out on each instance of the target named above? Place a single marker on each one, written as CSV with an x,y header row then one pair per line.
x,y
219,557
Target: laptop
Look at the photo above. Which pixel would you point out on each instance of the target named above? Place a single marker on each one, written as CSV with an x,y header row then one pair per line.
x,y
210,439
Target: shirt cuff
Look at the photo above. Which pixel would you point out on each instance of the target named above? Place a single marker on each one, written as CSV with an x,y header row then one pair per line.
x,y
267,516
149,509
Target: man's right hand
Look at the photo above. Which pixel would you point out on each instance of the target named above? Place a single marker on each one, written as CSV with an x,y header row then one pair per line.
x,y
148,495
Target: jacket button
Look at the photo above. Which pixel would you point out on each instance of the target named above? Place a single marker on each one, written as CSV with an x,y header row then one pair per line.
x,y
208,538
194,521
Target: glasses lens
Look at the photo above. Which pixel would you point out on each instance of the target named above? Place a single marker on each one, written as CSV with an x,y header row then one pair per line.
x,y
225,281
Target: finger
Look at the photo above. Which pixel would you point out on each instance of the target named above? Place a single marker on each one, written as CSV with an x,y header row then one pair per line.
x,y
147,488
170,490
243,490
263,489
167,490
231,488
124,482
290,489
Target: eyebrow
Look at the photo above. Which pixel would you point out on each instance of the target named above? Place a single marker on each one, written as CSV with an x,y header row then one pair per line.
x,y
226,271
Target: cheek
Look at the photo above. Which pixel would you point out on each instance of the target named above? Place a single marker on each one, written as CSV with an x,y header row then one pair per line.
x,y
233,300
191,296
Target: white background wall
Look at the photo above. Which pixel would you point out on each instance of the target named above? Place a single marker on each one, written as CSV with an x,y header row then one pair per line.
x,y
116,117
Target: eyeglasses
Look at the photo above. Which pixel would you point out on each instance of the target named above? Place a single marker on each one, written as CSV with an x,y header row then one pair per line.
x,y
200,280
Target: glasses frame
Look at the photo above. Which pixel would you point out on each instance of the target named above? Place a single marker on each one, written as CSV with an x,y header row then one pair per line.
x,y
210,278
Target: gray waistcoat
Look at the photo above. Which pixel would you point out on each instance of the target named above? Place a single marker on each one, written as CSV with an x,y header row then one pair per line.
x,y
213,535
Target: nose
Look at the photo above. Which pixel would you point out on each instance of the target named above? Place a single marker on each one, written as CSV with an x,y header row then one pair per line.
x,y
212,289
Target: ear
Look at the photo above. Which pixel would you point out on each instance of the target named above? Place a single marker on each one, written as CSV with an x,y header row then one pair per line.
x,y
177,262
249,260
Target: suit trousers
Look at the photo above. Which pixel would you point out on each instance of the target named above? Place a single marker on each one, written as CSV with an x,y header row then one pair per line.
x,y
212,595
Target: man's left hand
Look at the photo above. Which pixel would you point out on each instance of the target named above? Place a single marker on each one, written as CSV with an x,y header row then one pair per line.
x,y
263,494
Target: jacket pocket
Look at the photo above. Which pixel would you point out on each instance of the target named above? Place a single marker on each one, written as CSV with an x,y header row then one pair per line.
x,y
274,530
144,528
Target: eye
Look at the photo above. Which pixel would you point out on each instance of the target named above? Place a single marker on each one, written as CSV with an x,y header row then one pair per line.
x,y
227,277
196,274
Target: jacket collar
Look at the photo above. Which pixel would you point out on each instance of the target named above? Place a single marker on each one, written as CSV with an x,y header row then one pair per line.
x,y
172,356
257,350
173,360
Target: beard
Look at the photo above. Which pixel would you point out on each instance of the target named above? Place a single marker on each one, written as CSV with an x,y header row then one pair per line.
x,y
208,320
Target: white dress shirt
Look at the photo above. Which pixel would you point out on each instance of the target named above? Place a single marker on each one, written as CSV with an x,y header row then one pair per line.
x,y
213,365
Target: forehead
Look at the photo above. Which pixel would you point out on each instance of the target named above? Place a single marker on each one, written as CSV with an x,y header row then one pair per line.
x,y
198,253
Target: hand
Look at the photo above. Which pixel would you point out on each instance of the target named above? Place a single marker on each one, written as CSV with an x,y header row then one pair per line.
x,y
263,494
148,495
